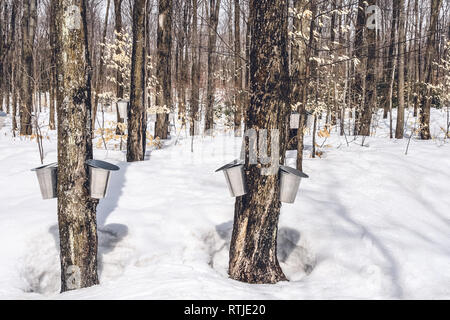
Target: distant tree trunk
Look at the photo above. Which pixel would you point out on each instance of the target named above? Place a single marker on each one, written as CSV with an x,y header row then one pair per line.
x,y
334,107
247,67
301,93
76,211
391,52
163,69
183,75
253,252
358,53
401,72
100,76
52,73
137,120
29,21
416,57
2,55
14,99
119,77
370,82
195,74
429,52
237,70
212,63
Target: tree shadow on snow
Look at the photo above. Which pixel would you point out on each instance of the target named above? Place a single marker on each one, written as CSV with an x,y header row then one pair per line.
x,y
289,249
115,191
109,237
333,202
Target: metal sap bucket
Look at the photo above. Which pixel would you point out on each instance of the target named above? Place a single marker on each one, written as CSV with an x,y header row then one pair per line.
x,y
235,176
309,119
152,117
289,183
295,120
122,105
99,173
47,177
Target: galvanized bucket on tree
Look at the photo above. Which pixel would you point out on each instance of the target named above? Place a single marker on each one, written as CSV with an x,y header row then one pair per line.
x,y
47,177
295,120
290,179
152,117
122,105
235,177
309,119
99,173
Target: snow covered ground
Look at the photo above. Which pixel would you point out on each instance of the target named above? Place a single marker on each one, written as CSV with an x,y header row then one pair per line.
x,y
370,223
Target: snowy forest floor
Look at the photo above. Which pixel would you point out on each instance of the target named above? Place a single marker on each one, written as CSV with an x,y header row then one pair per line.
x,y
370,223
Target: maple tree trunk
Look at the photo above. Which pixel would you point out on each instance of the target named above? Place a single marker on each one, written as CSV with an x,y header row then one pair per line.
x,y
253,252
76,210
100,75
237,70
426,104
304,71
163,68
358,53
120,87
391,53
29,20
137,115
212,62
195,74
401,72
370,81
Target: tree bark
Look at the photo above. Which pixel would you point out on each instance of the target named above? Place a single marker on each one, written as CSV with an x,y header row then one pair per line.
x,y
195,74
401,72
358,53
100,76
53,75
119,78
2,55
391,52
76,211
253,252
429,51
214,10
29,21
370,82
237,71
304,71
137,120
163,69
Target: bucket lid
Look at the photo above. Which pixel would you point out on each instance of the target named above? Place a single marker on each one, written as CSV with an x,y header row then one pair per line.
x,y
235,163
294,171
48,166
102,165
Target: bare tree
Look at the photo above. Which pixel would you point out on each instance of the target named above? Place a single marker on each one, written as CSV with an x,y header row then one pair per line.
x,y
195,74
214,8
401,71
76,211
137,115
29,21
163,68
429,56
253,252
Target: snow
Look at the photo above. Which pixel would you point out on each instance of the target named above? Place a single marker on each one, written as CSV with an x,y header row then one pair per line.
x,y
370,223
